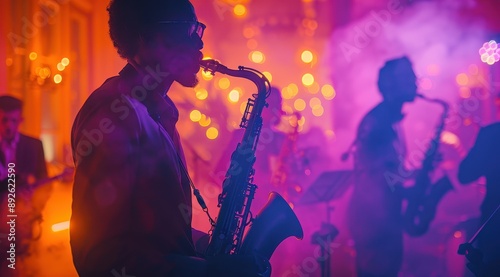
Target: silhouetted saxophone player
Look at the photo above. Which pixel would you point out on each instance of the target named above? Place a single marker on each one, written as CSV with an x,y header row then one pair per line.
x,y
375,217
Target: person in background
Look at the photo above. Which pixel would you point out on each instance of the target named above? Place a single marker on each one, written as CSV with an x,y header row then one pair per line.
x,y
25,155
374,212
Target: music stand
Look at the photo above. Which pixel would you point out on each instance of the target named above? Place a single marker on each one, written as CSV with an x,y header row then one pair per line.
x,y
328,186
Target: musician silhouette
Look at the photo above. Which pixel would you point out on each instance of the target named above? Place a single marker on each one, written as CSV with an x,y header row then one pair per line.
x,y
374,213
483,160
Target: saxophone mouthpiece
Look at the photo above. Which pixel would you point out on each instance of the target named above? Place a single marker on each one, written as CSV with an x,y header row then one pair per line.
x,y
212,66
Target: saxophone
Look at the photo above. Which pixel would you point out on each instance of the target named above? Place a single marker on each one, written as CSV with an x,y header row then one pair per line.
x,y
424,197
276,221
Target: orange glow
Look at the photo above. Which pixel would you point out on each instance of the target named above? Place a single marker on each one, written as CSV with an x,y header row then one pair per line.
x,y
328,92
57,78
299,104
239,10
9,61
212,133
252,44
224,83
204,120
61,226
314,88
233,96
201,94
306,56
248,32
307,79
256,57
195,115
462,79
33,56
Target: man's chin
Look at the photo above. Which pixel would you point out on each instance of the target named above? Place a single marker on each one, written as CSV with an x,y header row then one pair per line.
x,y
190,81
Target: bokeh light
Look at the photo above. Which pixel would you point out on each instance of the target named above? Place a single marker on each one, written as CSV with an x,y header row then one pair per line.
x,y
57,78
306,56
212,133
268,75
307,79
206,75
318,111
314,88
252,44
462,79
239,10
65,61
313,102
328,92
60,67
201,94
248,32
299,104
233,96
465,92
204,120
33,56
224,83
256,57
490,52
195,115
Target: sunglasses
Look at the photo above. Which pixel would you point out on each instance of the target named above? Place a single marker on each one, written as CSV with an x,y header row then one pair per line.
x,y
194,27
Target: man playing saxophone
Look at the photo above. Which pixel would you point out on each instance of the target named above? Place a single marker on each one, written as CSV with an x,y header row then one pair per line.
x,y
375,216
131,194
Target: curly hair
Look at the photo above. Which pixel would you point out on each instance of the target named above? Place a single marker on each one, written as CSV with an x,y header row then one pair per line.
x,y
133,20
388,71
